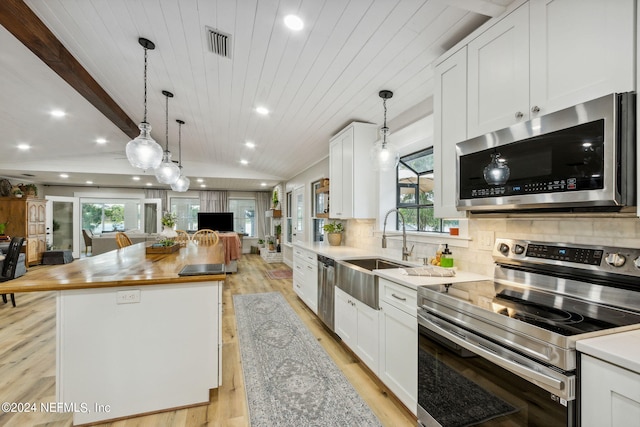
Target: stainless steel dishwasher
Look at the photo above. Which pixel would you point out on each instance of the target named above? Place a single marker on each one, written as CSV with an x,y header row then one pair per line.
x,y
326,290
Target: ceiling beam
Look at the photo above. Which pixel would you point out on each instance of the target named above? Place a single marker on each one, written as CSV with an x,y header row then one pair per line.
x,y
483,7
25,25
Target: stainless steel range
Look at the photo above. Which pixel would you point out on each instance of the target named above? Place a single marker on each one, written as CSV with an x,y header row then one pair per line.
x,y
505,349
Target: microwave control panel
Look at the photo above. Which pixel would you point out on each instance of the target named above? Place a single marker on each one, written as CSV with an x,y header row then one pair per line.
x,y
554,186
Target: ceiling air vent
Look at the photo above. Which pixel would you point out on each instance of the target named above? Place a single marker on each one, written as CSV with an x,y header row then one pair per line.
x,y
219,42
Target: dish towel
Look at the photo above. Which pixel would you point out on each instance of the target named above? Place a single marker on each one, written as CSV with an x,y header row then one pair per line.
x,y
430,270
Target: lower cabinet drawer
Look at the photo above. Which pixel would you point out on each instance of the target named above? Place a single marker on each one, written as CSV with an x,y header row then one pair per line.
x,y
399,296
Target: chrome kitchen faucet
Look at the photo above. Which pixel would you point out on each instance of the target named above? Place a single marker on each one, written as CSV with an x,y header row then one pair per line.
x,y
405,251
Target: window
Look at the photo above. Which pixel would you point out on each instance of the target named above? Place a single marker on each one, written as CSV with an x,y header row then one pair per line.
x,y
415,193
244,216
187,211
103,217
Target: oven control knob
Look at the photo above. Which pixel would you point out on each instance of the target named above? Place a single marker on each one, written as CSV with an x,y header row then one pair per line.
x,y
518,249
504,248
636,262
615,260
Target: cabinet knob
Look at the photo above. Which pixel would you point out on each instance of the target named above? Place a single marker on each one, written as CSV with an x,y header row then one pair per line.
x,y
519,115
535,109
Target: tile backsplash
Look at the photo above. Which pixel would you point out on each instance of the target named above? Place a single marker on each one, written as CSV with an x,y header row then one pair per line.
x,y
475,254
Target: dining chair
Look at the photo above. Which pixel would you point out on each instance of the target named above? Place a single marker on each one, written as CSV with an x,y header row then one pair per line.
x,y
183,237
9,265
122,240
206,237
88,240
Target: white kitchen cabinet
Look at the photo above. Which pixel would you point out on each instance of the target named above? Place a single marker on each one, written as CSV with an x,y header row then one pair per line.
x,y
499,74
610,394
548,55
398,367
357,324
352,178
450,127
580,50
305,277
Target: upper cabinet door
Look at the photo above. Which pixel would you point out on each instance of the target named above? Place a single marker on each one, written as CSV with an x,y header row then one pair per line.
x,y
580,50
450,127
498,91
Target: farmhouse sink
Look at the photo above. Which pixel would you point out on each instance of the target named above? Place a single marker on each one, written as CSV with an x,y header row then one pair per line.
x,y
355,277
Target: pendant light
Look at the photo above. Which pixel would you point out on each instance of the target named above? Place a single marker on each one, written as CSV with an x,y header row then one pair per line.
x,y
143,152
384,156
168,172
182,184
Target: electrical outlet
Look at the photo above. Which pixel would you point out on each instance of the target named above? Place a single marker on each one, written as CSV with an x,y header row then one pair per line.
x,y
128,297
485,239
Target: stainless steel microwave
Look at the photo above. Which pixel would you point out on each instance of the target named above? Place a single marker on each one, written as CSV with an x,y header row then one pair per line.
x,y
581,158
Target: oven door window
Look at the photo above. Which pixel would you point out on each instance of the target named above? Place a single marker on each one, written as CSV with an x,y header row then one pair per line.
x,y
458,388
567,160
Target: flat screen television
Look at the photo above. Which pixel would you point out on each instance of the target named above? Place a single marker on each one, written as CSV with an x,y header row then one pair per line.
x,y
216,221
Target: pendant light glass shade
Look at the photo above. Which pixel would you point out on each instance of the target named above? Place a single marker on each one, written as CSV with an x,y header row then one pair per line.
x,y
143,151
182,184
168,172
384,156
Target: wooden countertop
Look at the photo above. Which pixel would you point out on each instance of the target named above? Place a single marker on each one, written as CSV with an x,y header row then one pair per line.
x,y
129,266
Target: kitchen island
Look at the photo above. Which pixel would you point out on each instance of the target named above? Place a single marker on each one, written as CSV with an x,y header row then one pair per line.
x,y
132,336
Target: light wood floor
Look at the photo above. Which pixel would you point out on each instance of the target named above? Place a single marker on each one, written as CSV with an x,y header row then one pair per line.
x,y
27,360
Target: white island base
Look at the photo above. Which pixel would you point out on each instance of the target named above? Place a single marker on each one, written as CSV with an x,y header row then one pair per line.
x,y
130,350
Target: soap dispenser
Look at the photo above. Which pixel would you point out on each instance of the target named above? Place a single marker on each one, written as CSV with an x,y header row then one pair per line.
x,y
446,260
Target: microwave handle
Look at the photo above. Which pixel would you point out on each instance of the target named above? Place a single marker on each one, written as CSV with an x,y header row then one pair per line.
x,y
491,355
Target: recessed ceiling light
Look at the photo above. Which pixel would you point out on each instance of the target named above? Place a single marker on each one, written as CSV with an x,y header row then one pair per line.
x,y
64,175
101,141
135,178
250,144
293,22
244,162
200,180
262,110
89,182
202,186
149,184
58,113
264,184
23,147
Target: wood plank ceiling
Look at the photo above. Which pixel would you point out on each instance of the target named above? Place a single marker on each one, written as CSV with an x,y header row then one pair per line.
x,y
314,82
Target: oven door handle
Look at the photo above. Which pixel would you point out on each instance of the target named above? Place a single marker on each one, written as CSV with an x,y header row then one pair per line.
x,y
488,353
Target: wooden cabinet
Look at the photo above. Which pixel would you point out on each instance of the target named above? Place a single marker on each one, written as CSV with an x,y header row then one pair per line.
x,y
610,394
398,340
27,218
450,127
352,178
357,324
548,55
305,277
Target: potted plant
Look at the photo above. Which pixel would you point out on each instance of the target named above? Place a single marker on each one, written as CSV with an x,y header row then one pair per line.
x,y
334,232
278,230
31,190
261,243
169,222
271,241
17,192
274,199
3,227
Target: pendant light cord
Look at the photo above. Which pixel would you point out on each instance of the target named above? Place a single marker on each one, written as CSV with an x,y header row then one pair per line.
x,y
384,127
145,85
180,144
166,123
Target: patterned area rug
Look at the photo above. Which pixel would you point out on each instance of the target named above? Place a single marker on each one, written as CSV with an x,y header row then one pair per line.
x,y
279,274
289,378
